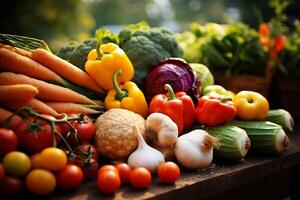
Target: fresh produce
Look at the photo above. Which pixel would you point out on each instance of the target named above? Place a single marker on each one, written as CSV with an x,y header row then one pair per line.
x,y
68,107
76,52
64,69
47,91
8,141
40,182
266,137
195,149
69,178
173,71
152,44
204,75
89,168
104,61
2,173
140,178
107,168
214,111
12,92
87,150
168,172
127,96
145,156
179,107
35,161
161,130
33,103
234,142
217,91
282,118
115,137
124,171
36,136
53,158
11,187
13,121
108,181
251,105
16,163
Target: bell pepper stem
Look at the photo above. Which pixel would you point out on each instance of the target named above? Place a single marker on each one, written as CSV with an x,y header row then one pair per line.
x,y
120,93
170,92
99,52
223,100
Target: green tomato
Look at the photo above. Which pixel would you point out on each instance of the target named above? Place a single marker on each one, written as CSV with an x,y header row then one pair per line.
x,y
16,163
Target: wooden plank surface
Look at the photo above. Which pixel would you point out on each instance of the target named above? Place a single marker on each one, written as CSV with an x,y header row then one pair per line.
x,y
201,184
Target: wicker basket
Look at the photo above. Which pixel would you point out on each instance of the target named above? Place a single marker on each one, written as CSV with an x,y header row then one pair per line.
x,y
287,96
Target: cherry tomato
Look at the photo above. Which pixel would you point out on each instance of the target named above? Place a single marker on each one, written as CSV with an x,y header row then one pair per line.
x,y
16,163
2,173
8,141
36,141
87,151
107,168
168,172
108,181
124,172
35,161
140,178
53,158
11,187
85,130
40,182
89,168
69,178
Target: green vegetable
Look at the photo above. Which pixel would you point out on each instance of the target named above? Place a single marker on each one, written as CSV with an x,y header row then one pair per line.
x,y
281,117
217,91
76,53
146,47
204,74
265,136
233,142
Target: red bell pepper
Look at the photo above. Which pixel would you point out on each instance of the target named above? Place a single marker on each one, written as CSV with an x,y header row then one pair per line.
x,y
214,111
179,107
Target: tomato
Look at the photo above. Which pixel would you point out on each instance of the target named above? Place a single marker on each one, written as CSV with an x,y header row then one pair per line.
x,y
69,178
53,158
16,163
40,182
108,181
108,168
124,172
36,141
168,172
10,187
8,141
140,178
89,168
2,172
35,161
87,151
85,130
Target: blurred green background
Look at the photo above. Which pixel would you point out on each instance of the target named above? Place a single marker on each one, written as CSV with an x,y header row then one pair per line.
x,y
58,22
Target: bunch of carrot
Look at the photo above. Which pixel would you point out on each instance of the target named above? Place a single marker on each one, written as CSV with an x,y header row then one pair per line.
x,y
41,80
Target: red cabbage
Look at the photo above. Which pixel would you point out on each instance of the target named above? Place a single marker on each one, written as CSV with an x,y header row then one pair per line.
x,y
177,73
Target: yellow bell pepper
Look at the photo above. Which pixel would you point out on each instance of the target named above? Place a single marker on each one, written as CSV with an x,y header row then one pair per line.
x,y
103,61
127,96
251,105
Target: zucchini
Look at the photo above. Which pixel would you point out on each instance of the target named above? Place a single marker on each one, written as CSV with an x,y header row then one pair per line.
x,y
265,136
281,117
233,142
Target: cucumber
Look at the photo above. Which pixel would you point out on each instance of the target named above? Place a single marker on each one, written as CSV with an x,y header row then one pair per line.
x,y
281,117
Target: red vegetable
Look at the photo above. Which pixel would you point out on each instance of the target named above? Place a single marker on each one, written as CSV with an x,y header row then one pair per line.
x,y
214,111
8,141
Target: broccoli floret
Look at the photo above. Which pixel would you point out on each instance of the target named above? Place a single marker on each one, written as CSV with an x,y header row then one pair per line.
x,y
146,47
66,51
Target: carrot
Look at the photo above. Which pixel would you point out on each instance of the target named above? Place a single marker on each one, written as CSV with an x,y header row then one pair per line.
x,y
47,91
65,69
35,104
22,52
12,123
18,92
63,107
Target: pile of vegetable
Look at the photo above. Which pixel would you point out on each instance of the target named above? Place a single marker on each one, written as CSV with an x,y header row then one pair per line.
x,y
125,100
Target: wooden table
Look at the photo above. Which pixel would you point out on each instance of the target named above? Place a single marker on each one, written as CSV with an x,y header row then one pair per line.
x,y
257,177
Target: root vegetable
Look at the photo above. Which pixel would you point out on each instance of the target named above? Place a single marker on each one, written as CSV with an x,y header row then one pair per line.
x,y
195,149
